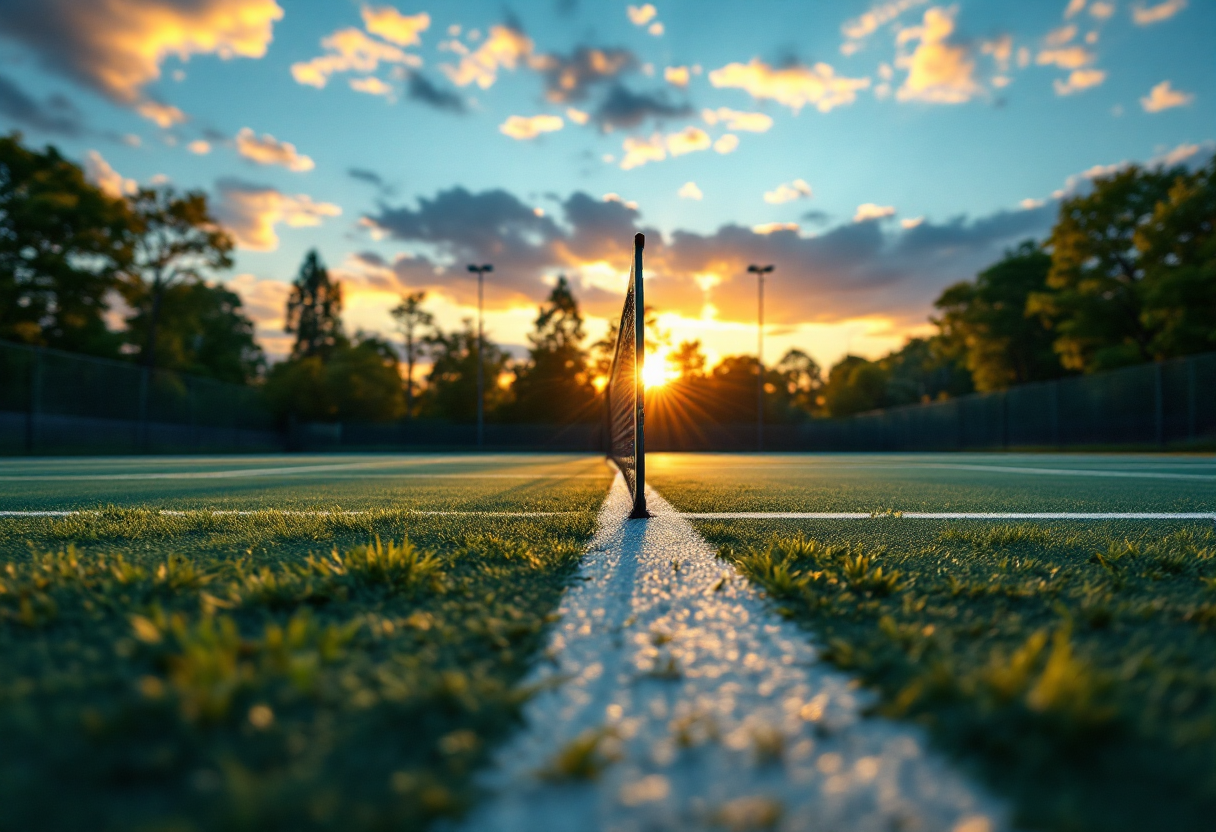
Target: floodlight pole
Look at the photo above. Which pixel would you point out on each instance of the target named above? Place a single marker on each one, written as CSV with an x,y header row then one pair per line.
x,y
481,383
760,272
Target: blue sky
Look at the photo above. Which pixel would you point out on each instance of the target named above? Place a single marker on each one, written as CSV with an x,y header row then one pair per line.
x,y
874,152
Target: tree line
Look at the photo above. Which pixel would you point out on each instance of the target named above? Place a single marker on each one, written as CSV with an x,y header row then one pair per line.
x,y
1127,275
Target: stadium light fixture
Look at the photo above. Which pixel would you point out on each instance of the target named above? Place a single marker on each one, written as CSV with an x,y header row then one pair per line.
x,y
760,272
480,271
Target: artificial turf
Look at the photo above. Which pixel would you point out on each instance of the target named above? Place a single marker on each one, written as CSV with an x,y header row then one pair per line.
x,y
1071,665
272,670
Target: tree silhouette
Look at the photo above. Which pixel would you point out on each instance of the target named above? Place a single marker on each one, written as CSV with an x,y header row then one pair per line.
x,y
314,310
409,316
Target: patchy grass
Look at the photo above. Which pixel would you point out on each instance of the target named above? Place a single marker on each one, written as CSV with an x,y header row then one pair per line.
x,y
1071,665
202,671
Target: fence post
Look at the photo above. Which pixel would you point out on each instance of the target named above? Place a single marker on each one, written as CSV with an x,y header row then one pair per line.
x,y
35,403
1159,402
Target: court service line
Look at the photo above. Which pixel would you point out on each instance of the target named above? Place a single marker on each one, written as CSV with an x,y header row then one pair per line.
x,y
1065,472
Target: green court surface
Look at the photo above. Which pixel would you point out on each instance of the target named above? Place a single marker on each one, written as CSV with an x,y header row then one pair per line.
x,y
452,482
169,666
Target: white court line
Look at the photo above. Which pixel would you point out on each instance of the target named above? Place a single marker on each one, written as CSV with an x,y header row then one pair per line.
x,y
274,472
951,515
657,633
300,513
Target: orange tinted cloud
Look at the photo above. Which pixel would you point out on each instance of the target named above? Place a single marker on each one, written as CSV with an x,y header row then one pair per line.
x,y
503,49
529,127
268,150
395,27
117,47
794,86
349,50
940,71
1163,97
251,212
101,174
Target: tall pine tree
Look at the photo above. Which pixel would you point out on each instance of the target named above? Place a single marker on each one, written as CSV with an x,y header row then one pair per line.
x,y
314,310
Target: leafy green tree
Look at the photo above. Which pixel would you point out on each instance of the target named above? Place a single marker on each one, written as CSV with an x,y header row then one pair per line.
x,y
356,382
1095,298
175,241
203,331
63,243
1178,255
984,323
855,385
410,316
798,382
314,310
451,390
554,385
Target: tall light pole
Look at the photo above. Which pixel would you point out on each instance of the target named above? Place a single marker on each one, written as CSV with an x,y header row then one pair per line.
x,y
760,272
480,271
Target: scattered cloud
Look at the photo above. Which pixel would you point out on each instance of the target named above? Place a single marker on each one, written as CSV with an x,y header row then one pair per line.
x,y
369,177
736,120
199,146
726,143
1068,57
624,109
349,50
689,190
1102,10
504,48
859,28
1030,204
641,15
794,86
56,115
1148,15
657,29
164,115
372,86
940,70
677,76
869,211
100,173
251,212
577,116
1079,79
1061,36
1181,153
1163,97
688,140
117,47
766,228
788,192
911,222
529,127
639,151
268,150
1074,8
395,27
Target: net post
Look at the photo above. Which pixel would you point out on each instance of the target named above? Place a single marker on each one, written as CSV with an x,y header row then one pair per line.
x,y
639,411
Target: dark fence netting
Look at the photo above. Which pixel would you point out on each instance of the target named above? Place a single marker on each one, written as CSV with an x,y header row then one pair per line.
x,y
54,402
58,402
1166,404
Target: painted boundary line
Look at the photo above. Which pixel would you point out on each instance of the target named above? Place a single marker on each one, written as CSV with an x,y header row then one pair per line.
x,y
291,513
691,515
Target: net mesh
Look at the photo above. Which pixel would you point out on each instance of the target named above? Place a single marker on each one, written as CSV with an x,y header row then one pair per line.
x,y
622,393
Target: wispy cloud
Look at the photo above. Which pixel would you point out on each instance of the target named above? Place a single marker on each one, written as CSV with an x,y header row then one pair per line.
x,y
940,70
788,192
529,127
251,212
1148,15
349,50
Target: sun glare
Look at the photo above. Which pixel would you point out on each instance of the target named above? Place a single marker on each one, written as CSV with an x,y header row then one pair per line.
x,y
657,371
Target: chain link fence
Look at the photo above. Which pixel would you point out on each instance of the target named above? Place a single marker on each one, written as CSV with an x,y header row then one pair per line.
x,y
59,402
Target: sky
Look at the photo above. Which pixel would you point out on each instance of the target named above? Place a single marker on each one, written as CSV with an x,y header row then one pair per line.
x,y
873,152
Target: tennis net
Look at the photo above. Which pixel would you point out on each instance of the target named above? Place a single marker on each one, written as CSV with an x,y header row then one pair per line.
x,y
625,393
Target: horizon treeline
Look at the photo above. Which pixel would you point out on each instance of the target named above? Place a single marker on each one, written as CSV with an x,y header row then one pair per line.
x,y
1127,275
